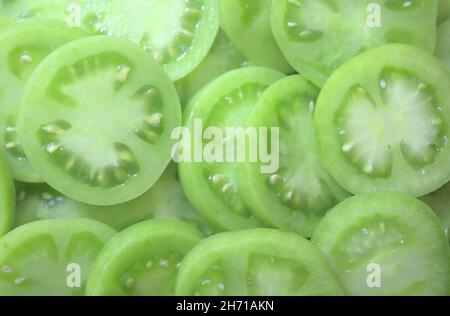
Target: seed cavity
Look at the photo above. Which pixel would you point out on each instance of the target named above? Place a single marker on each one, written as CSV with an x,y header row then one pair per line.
x,y
185,34
408,104
378,233
226,189
304,27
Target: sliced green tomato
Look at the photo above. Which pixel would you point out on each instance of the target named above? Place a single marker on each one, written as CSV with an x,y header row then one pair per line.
x,y
177,33
143,260
165,199
23,47
247,24
52,257
258,262
299,193
443,11
317,36
439,201
212,187
385,244
96,118
7,205
443,43
383,122
222,57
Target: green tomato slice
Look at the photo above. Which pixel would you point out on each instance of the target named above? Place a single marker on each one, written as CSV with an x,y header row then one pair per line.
x,y
7,202
52,257
317,36
96,118
439,201
383,122
23,47
247,24
443,43
222,57
257,262
177,33
165,200
297,195
143,260
212,187
385,244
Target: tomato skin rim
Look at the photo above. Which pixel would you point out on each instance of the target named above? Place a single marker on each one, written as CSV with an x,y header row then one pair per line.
x,y
332,96
277,60
204,200
177,69
345,214
272,242
74,189
111,257
60,230
266,208
17,35
212,19
422,37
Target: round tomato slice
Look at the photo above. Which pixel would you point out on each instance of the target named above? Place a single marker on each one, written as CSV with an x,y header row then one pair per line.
x,y
23,47
383,122
52,257
257,262
177,33
96,118
385,244
212,187
298,194
317,36
143,260
247,24
7,204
